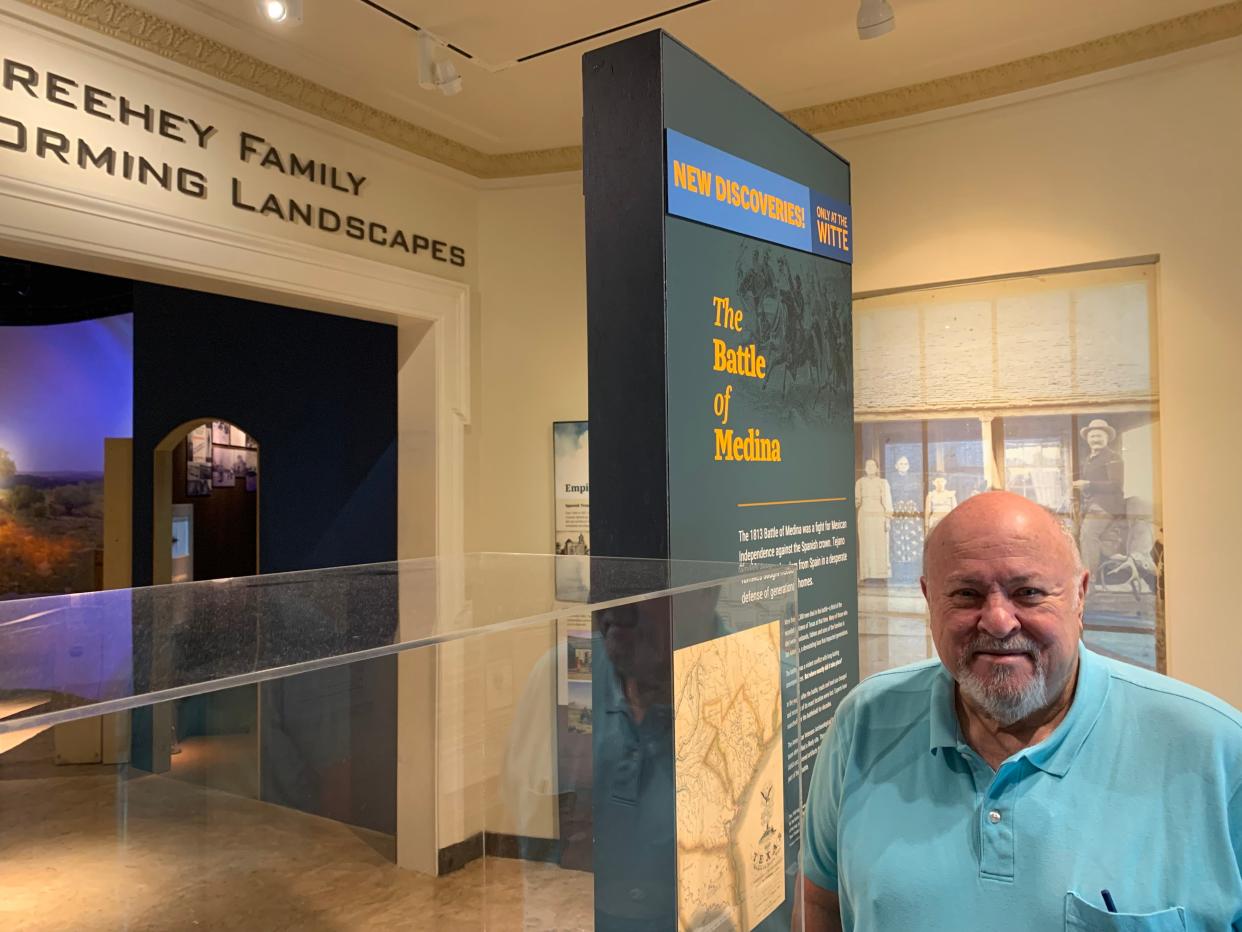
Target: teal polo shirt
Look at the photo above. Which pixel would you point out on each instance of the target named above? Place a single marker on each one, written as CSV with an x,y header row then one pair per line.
x,y
1137,791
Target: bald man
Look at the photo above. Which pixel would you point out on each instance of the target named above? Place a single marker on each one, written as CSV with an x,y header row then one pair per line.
x,y
1010,783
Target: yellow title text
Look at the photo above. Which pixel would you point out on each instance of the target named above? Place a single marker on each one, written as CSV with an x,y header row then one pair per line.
x,y
700,181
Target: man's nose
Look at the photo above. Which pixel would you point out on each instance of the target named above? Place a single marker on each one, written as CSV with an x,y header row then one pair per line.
x,y
997,617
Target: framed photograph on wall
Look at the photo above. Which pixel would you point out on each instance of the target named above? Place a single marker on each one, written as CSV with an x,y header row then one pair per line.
x,y
237,462
580,705
198,445
197,479
252,470
222,461
222,433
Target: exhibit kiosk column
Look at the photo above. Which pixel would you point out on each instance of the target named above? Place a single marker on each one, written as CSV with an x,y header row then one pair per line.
x,y
719,242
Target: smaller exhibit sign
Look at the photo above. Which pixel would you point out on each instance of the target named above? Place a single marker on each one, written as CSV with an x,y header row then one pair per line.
x,y
572,540
575,641
713,187
573,491
572,522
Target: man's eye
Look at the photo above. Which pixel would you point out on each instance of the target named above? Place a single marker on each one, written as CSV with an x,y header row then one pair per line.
x,y
963,594
1029,592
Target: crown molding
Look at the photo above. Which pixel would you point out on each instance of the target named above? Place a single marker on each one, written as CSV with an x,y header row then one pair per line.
x,y
1116,51
156,35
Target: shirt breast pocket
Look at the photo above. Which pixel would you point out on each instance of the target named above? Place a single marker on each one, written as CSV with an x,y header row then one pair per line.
x,y
1081,916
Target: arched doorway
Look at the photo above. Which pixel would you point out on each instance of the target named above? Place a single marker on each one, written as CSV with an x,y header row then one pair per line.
x,y
206,527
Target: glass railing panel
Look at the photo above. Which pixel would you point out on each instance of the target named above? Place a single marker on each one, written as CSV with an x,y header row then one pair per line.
x,y
424,745
106,651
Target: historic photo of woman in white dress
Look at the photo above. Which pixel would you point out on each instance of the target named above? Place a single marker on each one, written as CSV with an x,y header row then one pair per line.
x,y
874,500
940,501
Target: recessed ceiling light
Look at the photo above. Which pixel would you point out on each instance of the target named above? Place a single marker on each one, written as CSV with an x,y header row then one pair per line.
x,y
281,11
875,18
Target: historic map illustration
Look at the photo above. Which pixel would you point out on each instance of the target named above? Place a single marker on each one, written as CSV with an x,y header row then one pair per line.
x,y
730,789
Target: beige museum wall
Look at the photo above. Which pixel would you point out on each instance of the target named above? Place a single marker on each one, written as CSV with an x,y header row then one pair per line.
x,y
532,368
1132,165
531,371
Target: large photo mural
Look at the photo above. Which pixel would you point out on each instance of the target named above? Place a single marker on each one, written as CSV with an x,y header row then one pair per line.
x,y
64,388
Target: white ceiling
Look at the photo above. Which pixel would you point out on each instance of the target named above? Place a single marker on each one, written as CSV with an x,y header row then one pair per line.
x,y
501,33
792,53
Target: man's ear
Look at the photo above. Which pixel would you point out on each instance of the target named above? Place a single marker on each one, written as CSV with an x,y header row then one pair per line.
x,y
1082,596
923,585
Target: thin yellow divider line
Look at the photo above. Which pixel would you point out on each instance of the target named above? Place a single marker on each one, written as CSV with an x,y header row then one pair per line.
x,y
796,501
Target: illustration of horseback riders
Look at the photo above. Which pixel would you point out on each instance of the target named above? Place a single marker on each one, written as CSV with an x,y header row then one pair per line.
x,y
830,311
800,328
795,342
756,285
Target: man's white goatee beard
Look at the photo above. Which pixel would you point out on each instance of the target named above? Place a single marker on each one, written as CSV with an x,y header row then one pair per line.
x,y
1001,703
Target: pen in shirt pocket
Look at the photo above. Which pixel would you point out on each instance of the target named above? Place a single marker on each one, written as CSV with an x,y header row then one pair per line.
x,y
1108,901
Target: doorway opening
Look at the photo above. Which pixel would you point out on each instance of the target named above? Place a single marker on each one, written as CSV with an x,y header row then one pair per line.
x,y
83,231
207,527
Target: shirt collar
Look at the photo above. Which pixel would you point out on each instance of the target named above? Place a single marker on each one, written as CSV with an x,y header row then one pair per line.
x,y
945,730
1055,753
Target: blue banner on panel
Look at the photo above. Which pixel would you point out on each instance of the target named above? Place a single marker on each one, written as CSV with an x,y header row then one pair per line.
x,y
721,190
830,224
713,187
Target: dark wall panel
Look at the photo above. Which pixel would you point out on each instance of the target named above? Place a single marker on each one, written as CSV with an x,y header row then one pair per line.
x,y
319,393
623,178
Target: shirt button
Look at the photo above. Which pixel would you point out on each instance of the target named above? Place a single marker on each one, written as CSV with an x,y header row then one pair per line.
x,y
994,816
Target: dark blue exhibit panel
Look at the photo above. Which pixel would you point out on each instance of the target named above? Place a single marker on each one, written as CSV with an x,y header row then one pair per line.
x,y
319,394
721,410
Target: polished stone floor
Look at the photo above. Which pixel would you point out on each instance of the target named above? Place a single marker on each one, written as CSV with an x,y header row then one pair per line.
x,y
220,762
86,849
